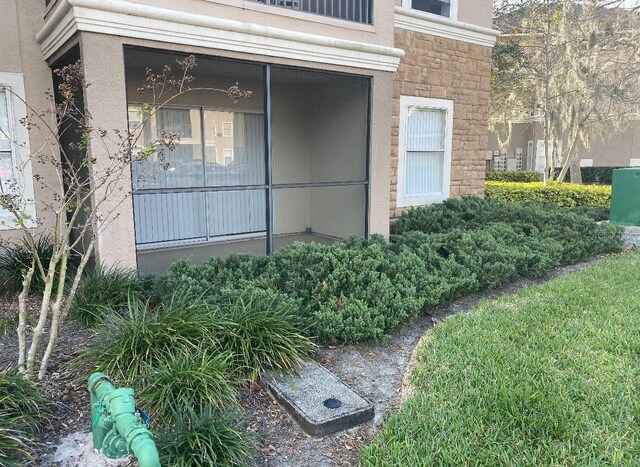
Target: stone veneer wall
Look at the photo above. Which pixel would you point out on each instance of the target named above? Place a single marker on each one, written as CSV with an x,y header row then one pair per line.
x,y
443,68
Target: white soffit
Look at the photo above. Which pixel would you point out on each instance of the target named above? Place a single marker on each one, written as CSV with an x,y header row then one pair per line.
x,y
128,19
419,21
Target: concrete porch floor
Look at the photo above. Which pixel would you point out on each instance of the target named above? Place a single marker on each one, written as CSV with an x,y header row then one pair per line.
x,y
158,261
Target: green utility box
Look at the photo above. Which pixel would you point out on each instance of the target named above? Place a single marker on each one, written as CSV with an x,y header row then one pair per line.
x,y
625,197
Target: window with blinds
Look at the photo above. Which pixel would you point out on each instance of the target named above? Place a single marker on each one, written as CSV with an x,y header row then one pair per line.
x,y
425,140
425,151
6,159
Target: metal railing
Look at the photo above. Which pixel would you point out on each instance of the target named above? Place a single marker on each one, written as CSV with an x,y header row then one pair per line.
x,y
359,11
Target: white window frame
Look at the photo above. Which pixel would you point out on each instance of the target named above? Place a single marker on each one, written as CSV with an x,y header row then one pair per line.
x,y
227,153
404,200
224,130
453,9
20,152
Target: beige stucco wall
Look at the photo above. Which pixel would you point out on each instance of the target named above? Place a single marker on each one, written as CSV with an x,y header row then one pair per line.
x,y
20,53
435,67
616,151
478,12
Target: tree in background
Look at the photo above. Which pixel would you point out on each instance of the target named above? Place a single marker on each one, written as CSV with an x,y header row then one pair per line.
x,y
573,66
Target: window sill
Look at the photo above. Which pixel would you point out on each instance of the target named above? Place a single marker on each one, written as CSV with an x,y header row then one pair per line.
x,y
422,200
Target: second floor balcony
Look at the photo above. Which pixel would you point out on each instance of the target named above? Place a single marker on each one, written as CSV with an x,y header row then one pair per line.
x,y
359,11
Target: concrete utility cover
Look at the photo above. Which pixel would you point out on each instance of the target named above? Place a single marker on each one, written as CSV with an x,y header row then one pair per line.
x,y
318,401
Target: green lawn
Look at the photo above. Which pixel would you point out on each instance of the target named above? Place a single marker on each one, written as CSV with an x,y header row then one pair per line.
x,y
548,376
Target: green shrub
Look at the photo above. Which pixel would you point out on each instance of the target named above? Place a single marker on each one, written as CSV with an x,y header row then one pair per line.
x,y
206,438
138,338
593,175
207,280
108,289
15,259
22,412
522,176
184,380
595,213
352,291
360,290
262,331
559,194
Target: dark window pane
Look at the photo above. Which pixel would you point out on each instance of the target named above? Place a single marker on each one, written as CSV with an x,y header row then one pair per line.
x,y
437,7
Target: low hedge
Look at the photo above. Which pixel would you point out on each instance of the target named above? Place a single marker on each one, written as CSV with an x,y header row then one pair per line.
x,y
593,175
523,176
360,290
560,194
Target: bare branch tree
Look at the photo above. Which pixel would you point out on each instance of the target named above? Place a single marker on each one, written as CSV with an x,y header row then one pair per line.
x,y
82,205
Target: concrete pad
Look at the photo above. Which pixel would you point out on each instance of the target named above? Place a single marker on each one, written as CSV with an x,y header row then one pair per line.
x,y
318,401
632,236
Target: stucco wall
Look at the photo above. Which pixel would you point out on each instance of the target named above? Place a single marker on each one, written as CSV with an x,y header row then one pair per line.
x,y
20,53
440,68
478,12
616,151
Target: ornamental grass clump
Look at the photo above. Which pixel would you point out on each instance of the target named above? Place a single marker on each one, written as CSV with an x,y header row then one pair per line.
x,y
262,331
138,338
107,289
206,437
181,380
15,260
23,411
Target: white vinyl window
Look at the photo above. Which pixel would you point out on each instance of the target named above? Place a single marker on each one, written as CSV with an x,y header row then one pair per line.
x,y
424,165
227,129
15,166
445,8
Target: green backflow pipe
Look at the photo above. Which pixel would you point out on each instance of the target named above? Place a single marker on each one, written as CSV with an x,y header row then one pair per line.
x,y
117,428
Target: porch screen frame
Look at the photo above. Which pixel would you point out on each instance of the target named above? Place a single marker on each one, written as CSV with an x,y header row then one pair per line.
x,y
268,186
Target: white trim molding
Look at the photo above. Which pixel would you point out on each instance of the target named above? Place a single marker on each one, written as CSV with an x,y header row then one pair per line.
x,y
403,200
128,19
427,23
20,150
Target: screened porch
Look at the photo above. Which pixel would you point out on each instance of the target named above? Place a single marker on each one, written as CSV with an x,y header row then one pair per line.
x,y
290,163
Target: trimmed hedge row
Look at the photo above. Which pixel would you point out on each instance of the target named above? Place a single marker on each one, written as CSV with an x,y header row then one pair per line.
x,y
593,175
523,176
560,194
360,290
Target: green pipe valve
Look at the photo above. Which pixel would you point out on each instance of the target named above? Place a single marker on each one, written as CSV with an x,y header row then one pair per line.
x,y
117,428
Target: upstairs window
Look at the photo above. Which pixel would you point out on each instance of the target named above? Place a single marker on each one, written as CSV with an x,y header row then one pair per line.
x,y
445,8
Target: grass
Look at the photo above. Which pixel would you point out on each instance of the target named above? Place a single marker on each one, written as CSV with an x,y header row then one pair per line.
x,y
105,290
15,259
548,376
22,412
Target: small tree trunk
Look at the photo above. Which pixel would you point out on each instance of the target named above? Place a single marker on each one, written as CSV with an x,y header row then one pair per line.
x,y
38,331
56,310
576,172
22,316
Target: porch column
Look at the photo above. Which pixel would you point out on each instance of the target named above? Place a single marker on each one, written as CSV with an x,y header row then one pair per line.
x,y
380,162
103,61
